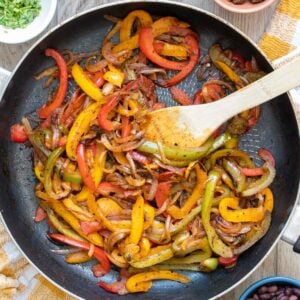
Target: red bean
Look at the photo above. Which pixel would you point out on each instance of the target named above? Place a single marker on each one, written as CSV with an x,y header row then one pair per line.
x,y
272,288
293,297
296,292
265,296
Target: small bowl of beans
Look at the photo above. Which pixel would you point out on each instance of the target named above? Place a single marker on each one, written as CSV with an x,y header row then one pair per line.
x,y
245,6
273,288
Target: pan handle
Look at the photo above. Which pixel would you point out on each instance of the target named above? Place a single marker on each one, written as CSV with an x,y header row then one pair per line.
x,y
291,233
4,78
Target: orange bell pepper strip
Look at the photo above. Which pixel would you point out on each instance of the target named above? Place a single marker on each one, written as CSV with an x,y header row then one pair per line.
x,y
46,110
167,49
133,282
269,199
146,40
180,213
137,221
144,18
86,84
98,253
84,169
99,164
236,215
149,213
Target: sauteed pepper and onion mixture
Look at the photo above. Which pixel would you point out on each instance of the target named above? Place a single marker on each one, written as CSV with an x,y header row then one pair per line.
x,y
143,207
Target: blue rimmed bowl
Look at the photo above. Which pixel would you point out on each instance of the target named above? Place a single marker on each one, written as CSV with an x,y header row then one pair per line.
x,y
278,280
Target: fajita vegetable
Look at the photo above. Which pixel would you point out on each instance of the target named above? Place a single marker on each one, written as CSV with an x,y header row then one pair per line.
x,y
148,209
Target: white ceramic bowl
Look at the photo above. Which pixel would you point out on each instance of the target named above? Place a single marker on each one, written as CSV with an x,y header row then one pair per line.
x,y
20,35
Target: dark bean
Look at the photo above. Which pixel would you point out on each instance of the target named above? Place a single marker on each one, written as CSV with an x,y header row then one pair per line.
x,y
255,297
272,288
288,291
296,292
293,297
265,296
262,290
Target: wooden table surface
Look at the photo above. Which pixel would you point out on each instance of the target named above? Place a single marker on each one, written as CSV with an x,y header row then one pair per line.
x,y
282,260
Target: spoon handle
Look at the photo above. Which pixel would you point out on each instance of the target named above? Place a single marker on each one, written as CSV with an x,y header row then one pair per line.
x,y
270,86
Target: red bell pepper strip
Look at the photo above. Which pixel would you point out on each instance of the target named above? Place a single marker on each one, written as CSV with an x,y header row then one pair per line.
x,y
62,141
40,215
252,171
84,169
103,120
117,287
98,79
162,193
266,155
18,134
198,97
253,116
166,176
146,39
238,58
228,262
126,126
99,254
106,188
180,96
192,44
47,109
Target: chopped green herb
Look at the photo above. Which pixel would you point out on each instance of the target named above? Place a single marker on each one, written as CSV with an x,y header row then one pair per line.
x,y
18,13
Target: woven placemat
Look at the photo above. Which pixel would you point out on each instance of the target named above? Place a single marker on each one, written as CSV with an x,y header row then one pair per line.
x,y
19,280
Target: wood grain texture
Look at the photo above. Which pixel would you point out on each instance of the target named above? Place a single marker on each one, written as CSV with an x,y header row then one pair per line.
x,y
281,260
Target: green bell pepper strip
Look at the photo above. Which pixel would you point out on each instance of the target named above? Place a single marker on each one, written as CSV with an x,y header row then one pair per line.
x,y
219,142
48,170
215,242
73,177
173,153
36,140
237,175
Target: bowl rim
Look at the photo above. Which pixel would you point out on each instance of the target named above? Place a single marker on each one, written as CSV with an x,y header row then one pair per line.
x,y
272,279
24,35
239,9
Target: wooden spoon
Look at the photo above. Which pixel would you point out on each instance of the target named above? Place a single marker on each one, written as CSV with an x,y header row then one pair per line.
x,y
190,126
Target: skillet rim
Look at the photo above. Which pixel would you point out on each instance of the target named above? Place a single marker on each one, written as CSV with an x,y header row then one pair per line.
x,y
171,3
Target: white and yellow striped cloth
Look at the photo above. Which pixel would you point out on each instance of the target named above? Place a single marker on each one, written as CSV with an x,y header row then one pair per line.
x,y
19,280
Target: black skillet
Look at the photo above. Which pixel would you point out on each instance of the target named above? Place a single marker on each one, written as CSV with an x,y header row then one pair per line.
x,y
276,130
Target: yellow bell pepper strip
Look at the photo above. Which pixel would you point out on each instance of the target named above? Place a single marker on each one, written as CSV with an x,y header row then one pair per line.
x,y
229,72
86,84
81,127
48,171
236,215
151,259
159,27
98,253
244,157
149,215
145,246
268,199
99,164
78,257
146,40
114,76
82,195
109,207
78,211
261,183
61,227
133,109
132,283
167,49
174,153
180,213
69,218
39,171
237,175
137,221
215,242
254,235
144,18
181,225
94,209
